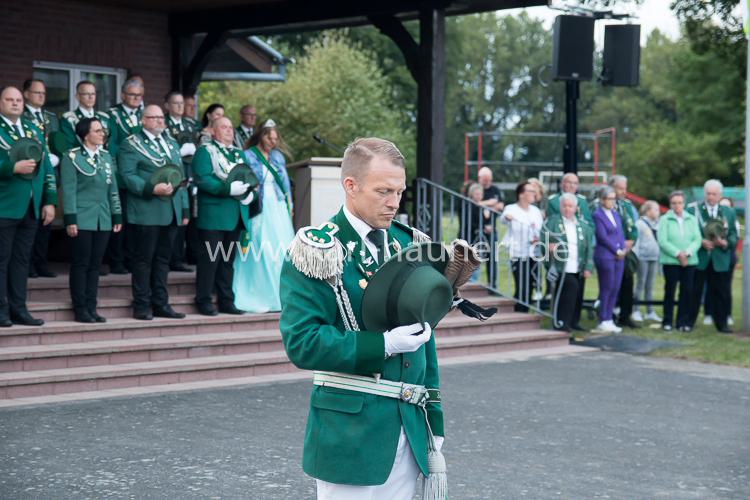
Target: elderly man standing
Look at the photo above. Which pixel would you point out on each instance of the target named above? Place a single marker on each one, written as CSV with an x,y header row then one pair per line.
x,y
359,445
568,238
629,216
86,97
154,212
35,96
719,232
27,197
246,128
492,198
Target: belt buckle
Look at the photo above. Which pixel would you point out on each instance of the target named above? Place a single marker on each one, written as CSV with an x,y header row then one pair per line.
x,y
411,394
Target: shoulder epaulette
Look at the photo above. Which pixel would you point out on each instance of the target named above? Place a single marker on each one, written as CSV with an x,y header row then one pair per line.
x,y
417,235
316,252
581,196
69,115
553,196
104,114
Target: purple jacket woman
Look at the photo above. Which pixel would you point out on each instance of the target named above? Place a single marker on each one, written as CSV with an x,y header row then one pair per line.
x,y
609,239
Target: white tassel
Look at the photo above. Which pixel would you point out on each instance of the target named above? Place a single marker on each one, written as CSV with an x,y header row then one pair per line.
x,y
419,237
315,262
436,483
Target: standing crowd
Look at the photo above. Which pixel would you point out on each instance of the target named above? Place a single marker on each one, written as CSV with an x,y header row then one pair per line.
x,y
693,246
145,188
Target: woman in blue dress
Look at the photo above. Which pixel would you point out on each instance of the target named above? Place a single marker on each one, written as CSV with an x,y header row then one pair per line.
x,y
257,267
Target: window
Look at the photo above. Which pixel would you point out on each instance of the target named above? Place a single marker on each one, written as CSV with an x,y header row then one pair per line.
x,y
61,80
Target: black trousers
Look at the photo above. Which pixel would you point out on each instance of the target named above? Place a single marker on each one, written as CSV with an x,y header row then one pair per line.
x,y
683,276
214,270
88,251
178,248
565,300
625,298
120,250
16,242
41,247
576,320
718,286
151,265
525,277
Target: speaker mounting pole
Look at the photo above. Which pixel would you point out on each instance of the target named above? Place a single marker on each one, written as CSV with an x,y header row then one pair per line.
x,y
570,150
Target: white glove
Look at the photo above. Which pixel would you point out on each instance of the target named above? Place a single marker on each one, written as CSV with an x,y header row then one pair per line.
x,y
187,149
54,160
401,339
249,198
237,188
439,442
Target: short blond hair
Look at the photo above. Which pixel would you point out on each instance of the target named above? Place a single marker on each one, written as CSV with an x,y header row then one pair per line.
x,y
361,151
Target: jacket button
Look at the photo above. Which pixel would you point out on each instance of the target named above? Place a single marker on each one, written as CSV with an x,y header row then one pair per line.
x,y
407,364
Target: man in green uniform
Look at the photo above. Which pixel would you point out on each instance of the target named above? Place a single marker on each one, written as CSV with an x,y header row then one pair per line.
x,y
154,212
221,217
245,130
86,97
714,256
359,445
124,121
35,96
190,112
23,203
569,257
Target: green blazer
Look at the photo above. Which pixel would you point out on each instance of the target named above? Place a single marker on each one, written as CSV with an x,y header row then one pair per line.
x,y
89,191
553,207
719,257
217,210
553,231
16,190
137,160
674,238
71,119
352,437
48,124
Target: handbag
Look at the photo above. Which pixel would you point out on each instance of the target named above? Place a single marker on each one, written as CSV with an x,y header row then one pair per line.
x,y
631,262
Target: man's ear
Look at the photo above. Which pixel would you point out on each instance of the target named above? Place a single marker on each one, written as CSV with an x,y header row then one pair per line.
x,y
350,185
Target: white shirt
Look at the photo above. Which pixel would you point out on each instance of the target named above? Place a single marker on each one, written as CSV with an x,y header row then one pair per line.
x,y
176,121
524,228
713,211
160,140
92,152
34,110
248,131
363,229
680,221
87,113
610,216
571,233
130,111
16,126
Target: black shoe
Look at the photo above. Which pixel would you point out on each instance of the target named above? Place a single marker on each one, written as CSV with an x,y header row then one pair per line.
x,y
83,317
566,329
33,273
26,319
118,270
629,323
97,318
181,268
725,329
5,323
167,312
578,328
46,273
103,271
143,315
207,310
230,309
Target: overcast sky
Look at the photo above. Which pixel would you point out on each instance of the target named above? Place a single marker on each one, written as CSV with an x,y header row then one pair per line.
x,y
651,14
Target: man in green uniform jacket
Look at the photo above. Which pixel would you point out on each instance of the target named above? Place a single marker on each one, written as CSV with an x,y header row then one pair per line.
x,y
86,96
356,443
221,217
153,211
23,202
714,256
570,253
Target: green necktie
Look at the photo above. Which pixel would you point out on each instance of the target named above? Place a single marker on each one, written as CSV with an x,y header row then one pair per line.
x,y
377,238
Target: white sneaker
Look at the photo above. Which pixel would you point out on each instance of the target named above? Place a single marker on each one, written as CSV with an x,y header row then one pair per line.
x,y
616,311
652,316
636,316
611,327
601,328
536,296
708,320
730,321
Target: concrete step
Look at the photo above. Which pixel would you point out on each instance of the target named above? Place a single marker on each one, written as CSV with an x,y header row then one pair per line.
x,y
110,286
61,332
499,323
470,345
105,377
136,350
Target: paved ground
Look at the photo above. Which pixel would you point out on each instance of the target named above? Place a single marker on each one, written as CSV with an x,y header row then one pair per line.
x,y
597,425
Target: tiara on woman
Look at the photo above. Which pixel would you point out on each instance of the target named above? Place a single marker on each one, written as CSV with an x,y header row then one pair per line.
x,y
269,123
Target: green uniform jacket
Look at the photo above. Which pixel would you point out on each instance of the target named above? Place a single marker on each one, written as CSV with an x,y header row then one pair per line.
x,y
137,160
16,190
121,126
217,210
89,191
71,119
674,238
553,231
352,437
185,125
240,137
48,124
553,207
719,257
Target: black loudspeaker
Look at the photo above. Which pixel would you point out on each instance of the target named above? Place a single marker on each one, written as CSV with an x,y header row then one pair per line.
x,y
573,48
622,55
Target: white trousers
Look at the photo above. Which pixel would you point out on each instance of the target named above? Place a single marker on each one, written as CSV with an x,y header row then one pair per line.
x,y
400,484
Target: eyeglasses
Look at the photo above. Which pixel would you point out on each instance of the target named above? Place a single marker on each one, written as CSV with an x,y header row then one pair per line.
x,y
249,114
37,92
87,94
153,117
611,198
129,94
